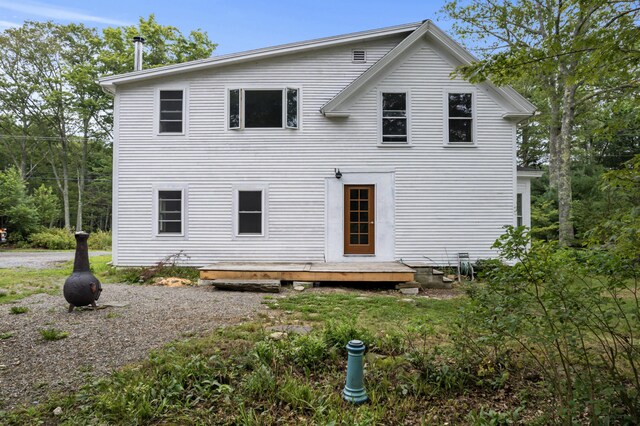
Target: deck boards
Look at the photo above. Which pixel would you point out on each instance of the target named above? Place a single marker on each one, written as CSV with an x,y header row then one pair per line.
x,y
310,271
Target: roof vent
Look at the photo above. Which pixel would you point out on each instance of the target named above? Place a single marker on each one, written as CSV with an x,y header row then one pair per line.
x,y
359,56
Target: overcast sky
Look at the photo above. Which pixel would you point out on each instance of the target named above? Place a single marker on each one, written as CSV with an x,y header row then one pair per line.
x,y
234,25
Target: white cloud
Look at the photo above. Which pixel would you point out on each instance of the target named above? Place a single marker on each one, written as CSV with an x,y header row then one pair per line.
x,y
8,24
55,12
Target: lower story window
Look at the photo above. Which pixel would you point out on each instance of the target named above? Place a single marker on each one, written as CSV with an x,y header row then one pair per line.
x,y
519,221
170,212
250,212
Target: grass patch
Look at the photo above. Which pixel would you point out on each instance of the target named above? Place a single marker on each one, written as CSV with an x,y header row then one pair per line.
x,y
239,375
18,283
15,310
53,334
5,336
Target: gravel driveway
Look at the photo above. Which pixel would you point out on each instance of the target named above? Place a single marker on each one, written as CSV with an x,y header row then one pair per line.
x,y
38,259
100,341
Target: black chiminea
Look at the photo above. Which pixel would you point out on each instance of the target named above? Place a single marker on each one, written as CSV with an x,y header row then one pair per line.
x,y
81,288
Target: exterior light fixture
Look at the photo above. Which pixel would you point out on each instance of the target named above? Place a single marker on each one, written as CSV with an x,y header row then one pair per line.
x,y
338,173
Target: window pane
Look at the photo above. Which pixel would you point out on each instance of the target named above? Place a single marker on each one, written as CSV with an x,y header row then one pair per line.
x,y
292,108
364,194
364,216
460,130
250,201
353,205
171,127
459,104
353,193
364,239
364,205
170,216
234,108
175,227
250,223
394,101
171,106
170,94
364,228
354,217
394,126
263,108
170,195
353,239
353,228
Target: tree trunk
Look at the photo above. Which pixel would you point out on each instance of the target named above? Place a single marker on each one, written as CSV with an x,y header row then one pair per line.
x,y
566,234
82,171
555,127
65,183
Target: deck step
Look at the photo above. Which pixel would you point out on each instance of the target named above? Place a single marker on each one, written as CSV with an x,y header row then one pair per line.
x,y
435,271
262,286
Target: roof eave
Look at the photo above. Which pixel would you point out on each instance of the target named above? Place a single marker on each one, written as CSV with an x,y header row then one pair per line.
x,y
257,54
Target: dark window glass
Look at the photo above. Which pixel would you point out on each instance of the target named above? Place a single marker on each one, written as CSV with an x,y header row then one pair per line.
x,y
460,130
460,117
249,212
519,210
292,108
263,108
460,105
250,201
170,211
171,106
394,117
234,109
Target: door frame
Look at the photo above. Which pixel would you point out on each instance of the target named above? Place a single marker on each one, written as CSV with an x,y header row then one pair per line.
x,y
384,180
360,249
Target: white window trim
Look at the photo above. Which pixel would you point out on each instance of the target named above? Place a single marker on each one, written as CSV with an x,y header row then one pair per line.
x,y
474,118
183,188
382,144
244,87
185,109
236,214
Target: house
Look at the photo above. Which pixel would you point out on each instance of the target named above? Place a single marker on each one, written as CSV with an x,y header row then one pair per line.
x,y
353,148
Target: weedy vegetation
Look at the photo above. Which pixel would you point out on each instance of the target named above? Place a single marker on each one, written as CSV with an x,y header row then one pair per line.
x,y
53,334
16,310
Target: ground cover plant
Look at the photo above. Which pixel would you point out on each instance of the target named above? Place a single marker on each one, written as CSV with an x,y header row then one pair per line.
x,y
52,334
18,283
244,375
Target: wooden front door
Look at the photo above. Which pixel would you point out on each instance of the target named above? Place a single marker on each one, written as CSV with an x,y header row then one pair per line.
x,y
359,219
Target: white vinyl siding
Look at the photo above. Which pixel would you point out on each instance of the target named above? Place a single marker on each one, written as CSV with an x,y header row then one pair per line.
x,y
446,200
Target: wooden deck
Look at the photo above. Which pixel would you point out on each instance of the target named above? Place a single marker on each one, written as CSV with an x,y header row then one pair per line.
x,y
310,271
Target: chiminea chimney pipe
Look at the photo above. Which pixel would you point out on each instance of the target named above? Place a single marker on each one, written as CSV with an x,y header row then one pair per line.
x,y
138,43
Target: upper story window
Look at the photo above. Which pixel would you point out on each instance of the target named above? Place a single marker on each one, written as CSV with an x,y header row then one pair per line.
x,y
171,111
263,108
460,120
394,117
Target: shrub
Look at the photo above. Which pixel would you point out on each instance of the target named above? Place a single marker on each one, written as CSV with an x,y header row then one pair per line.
x,y
574,314
53,239
62,239
338,334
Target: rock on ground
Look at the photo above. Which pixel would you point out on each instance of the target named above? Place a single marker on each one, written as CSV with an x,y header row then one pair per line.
x,y
140,319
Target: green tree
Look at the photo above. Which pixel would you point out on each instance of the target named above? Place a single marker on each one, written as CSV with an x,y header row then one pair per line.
x,y
47,205
16,207
577,53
